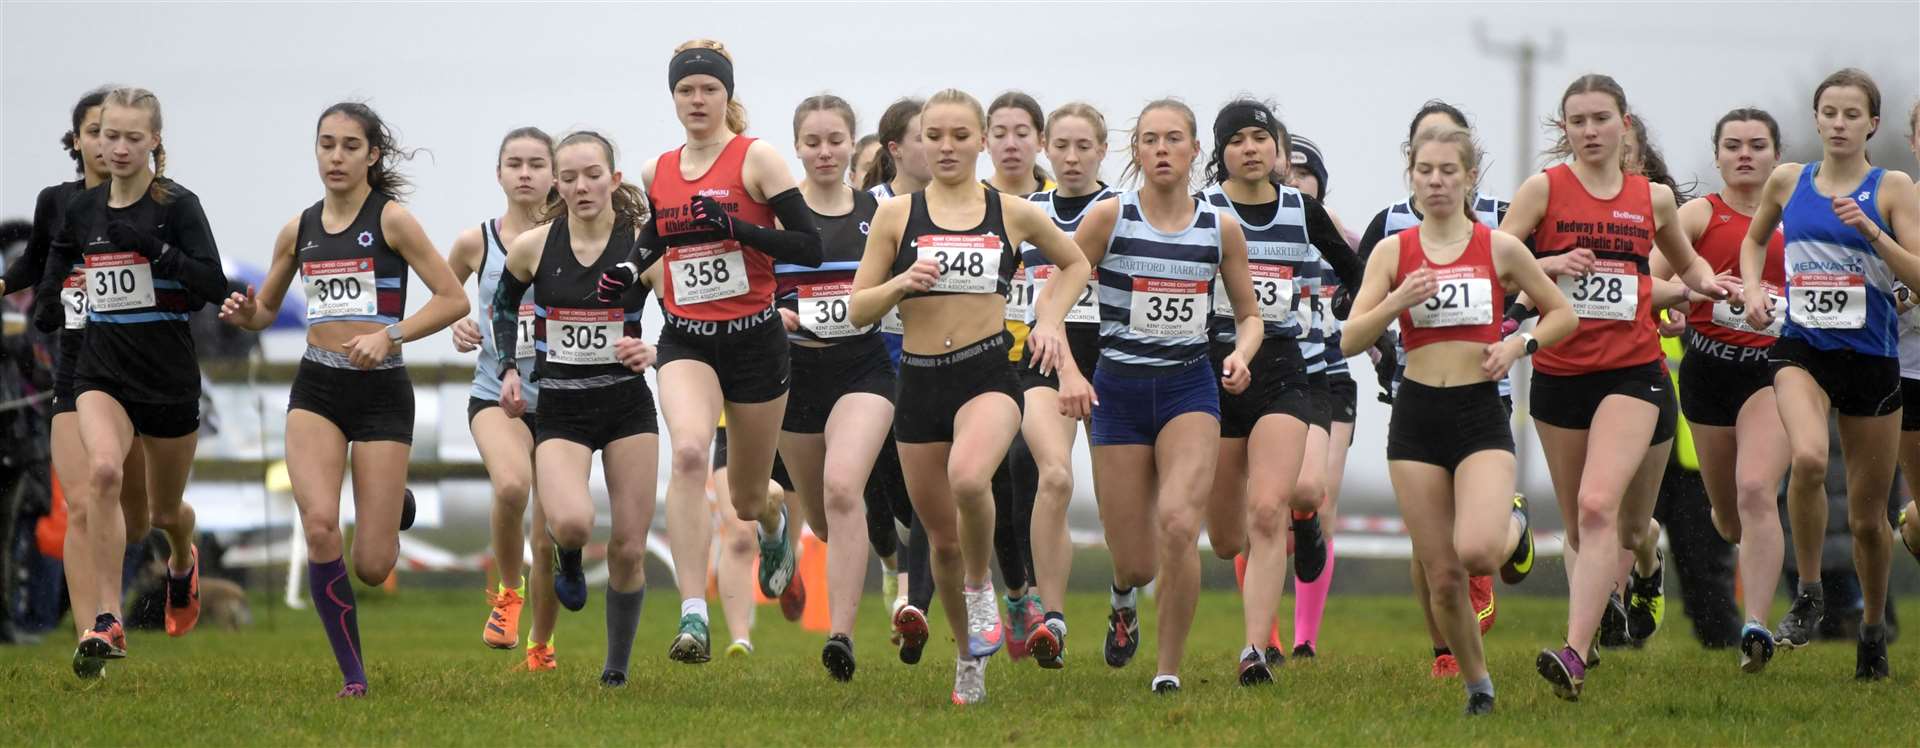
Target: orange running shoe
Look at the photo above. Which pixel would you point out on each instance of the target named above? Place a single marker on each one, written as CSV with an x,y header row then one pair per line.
x,y
503,624
107,640
793,602
1445,666
1480,593
183,598
539,657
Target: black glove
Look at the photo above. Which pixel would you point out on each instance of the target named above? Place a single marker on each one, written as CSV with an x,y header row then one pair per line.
x,y
1383,370
124,236
615,282
1342,302
49,312
704,209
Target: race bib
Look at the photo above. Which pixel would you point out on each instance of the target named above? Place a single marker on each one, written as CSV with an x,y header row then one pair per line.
x,y
1020,296
1732,313
1464,298
1329,324
118,281
1167,308
523,333
1611,291
1273,287
825,310
1828,301
340,288
73,299
583,336
707,272
968,264
1085,309
890,322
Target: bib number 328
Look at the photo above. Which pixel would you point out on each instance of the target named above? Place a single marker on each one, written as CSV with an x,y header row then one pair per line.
x,y
1610,292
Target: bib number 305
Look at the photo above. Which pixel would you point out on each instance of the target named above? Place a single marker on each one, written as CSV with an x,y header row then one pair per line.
x,y
583,336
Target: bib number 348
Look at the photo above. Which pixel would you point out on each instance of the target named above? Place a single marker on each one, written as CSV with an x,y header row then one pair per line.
x,y
968,264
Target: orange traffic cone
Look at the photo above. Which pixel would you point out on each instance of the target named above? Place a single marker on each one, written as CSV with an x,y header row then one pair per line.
x,y
813,572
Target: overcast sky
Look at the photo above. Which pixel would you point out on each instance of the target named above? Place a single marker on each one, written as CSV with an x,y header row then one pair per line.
x,y
242,84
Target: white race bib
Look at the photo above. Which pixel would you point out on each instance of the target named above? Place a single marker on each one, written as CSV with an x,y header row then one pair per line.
x,y
1732,313
825,310
523,333
118,281
340,288
1273,287
73,300
1464,298
1329,324
1611,291
1085,309
1020,296
583,336
1168,308
1828,301
890,322
707,272
968,264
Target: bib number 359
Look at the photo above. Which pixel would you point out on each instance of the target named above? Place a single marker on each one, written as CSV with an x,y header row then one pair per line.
x,y
1829,301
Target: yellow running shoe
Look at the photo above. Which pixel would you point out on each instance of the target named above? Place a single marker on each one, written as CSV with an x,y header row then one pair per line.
x,y
503,624
1520,564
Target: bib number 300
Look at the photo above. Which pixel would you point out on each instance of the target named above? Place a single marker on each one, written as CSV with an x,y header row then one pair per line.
x,y
340,288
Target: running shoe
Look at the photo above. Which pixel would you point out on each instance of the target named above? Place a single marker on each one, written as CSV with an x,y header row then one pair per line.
x,y
793,602
1166,685
183,598
1593,656
740,648
1647,602
1870,660
1123,636
352,691
969,680
1304,652
1309,548
613,679
776,559
837,656
1520,564
107,640
539,658
985,632
1480,593
912,625
1479,704
1445,666
408,508
569,578
1048,644
1563,670
890,585
1613,623
1899,532
1756,647
503,624
1797,628
1253,668
1019,626
1275,657
690,646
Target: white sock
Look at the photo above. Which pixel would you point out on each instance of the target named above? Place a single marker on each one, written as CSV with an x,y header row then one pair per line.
x,y
1159,679
1129,600
694,606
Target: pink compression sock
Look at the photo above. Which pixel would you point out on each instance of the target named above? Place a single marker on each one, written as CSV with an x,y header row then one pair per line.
x,y
1310,603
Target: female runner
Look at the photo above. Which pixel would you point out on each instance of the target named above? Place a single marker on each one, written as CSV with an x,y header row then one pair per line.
x,y
1726,389
148,258
589,364
1076,141
352,398
1844,219
841,407
1597,399
1449,450
714,203
524,168
960,392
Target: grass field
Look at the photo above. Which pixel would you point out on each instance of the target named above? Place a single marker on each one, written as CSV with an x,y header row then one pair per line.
x,y
433,683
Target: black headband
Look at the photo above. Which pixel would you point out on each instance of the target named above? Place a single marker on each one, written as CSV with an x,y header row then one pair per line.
x,y
1237,117
697,61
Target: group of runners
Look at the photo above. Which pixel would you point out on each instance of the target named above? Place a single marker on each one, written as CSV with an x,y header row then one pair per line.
x,y
891,342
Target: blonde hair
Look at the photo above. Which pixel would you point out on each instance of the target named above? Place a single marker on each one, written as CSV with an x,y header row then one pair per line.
x,y
957,96
1461,139
140,98
736,113
1082,110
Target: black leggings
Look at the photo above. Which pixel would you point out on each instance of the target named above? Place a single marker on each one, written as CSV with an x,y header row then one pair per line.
x,y
887,503
1014,484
